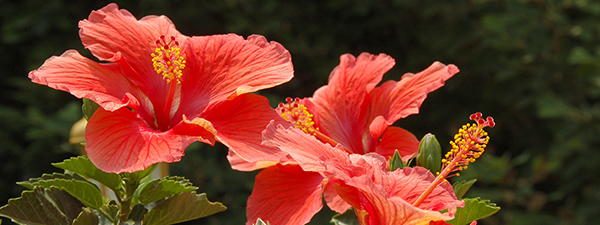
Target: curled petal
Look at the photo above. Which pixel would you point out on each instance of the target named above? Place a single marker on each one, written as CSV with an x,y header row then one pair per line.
x,y
120,141
285,195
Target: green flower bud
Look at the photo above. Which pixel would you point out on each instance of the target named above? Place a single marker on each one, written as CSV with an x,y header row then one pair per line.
x,y
430,153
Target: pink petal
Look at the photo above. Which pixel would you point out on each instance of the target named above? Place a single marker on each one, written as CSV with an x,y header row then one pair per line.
x,y
121,141
340,107
305,149
285,195
396,100
222,66
396,138
84,78
239,123
334,201
115,35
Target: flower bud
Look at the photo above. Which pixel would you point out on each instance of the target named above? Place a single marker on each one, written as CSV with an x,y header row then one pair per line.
x,y
430,153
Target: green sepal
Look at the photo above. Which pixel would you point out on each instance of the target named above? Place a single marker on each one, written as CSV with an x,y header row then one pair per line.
x,y
396,161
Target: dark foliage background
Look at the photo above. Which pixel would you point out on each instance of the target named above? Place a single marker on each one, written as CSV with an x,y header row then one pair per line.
x,y
533,64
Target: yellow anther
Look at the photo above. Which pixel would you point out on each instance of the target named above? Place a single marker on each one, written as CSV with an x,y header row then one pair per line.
x,y
294,111
168,60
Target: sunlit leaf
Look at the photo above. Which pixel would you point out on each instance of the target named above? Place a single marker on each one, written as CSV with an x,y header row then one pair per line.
x,y
462,187
475,209
83,166
182,207
163,188
83,190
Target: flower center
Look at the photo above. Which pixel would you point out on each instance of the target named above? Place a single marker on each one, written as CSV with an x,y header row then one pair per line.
x,y
297,113
168,60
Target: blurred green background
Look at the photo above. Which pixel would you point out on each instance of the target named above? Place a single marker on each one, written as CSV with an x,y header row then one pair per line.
x,y
532,64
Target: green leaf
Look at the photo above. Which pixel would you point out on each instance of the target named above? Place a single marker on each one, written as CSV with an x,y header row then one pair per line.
x,y
83,190
83,166
396,161
31,183
259,221
348,218
430,153
137,213
88,107
42,207
475,209
86,217
162,188
182,207
462,187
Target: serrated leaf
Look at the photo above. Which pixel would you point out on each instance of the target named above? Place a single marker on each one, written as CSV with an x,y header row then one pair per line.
x,y
259,221
81,165
182,207
88,108
163,188
86,217
462,187
396,161
42,207
348,218
30,184
82,190
475,209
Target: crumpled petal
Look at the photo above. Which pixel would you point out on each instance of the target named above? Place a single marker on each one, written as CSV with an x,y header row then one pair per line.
x,y
224,66
285,195
340,107
84,78
120,141
334,201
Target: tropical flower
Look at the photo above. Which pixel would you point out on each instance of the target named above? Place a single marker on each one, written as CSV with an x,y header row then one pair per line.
x,y
378,196
160,91
350,113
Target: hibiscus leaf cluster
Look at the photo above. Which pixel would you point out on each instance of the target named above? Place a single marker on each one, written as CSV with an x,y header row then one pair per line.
x,y
85,195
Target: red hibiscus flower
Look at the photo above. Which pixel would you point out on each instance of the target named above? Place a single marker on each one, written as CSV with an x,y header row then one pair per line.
x,y
160,91
350,112
377,195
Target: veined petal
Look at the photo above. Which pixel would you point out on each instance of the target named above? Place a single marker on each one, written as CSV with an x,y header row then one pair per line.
x,y
396,138
339,107
121,141
84,78
239,122
395,100
222,66
310,153
285,195
237,163
333,199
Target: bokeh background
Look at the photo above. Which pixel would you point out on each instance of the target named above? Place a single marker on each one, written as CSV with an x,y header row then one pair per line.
x,y
532,64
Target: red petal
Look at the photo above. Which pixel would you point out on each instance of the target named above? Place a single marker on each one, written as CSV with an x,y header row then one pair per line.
x,y
396,100
340,107
239,123
220,66
285,195
396,138
334,201
120,141
85,78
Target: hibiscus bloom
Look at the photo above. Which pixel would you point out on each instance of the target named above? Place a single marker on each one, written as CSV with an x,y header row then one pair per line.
x,y
349,112
160,91
377,195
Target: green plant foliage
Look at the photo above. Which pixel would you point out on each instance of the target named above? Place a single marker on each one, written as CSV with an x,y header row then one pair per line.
x,y
163,188
83,166
82,190
42,206
430,153
474,209
348,218
461,187
86,217
396,161
182,207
